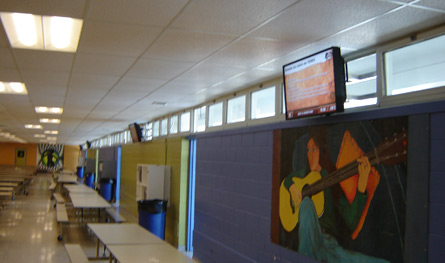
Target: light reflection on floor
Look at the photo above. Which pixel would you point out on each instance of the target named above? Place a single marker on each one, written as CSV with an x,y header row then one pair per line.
x,y
28,228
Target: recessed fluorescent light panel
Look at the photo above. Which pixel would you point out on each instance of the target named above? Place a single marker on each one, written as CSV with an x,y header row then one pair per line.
x,y
45,120
42,32
51,132
33,126
49,110
13,88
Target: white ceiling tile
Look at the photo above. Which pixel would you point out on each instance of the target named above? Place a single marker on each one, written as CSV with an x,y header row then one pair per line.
x,y
35,78
251,52
187,46
401,23
4,42
68,8
435,4
207,74
103,114
310,21
116,39
102,64
122,98
10,75
235,17
75,112
6,60
158,69
130,83
80,81
182,87
48,96
143,12
44,60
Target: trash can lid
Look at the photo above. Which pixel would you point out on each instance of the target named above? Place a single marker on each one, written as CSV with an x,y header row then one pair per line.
x,y
106,180
152,205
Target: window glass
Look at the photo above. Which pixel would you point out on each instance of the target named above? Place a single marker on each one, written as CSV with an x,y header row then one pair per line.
x,y
361,87
236,109
416,67
263,103
199,123
164,124
174,124
185,122
128,136
156,129
216,114
148,131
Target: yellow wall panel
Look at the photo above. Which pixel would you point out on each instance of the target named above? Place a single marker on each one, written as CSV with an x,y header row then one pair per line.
x,y
159,152
71,157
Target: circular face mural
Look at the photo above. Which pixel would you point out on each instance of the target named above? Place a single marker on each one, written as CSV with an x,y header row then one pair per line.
x,y
50,158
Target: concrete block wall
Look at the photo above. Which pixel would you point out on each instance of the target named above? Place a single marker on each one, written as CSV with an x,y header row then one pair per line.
x,y
233,191
233,200
436,235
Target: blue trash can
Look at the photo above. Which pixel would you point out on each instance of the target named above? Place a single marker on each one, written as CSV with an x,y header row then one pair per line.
x,y
89,180
79,171
152,216
106,185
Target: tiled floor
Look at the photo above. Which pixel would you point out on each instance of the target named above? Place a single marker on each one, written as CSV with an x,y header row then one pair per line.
x,y
28,228
29,231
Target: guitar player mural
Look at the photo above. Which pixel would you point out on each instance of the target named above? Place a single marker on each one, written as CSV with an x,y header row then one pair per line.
x,y
342,193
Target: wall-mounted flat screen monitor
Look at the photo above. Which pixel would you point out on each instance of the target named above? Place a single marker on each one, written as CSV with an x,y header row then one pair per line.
x,y
135,131
315,85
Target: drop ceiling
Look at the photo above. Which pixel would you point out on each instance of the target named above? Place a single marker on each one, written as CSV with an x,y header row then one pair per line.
x,y
135,53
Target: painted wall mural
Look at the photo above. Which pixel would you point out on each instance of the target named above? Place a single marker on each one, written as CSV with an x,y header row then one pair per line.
x,y
50,157
340,190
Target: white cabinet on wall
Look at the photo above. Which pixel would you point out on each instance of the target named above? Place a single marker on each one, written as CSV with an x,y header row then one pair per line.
x,y
153,182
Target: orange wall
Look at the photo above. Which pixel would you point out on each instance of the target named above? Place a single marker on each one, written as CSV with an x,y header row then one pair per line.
x,y
7,153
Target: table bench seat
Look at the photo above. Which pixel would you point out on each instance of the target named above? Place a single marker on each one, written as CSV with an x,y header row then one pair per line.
x,y
117,217
76,253
59,199
52,187
61,218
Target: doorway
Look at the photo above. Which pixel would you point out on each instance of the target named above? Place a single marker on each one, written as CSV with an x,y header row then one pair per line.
x,y
20,157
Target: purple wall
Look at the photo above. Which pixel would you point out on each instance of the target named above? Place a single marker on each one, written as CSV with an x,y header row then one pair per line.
x,y
233,199
233,190
436,235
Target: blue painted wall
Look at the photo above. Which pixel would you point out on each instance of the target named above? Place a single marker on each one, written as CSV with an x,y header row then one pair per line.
x,y
233,189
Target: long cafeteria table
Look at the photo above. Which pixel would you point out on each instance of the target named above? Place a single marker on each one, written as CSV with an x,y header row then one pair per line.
x,y
133,237
159,253
88,201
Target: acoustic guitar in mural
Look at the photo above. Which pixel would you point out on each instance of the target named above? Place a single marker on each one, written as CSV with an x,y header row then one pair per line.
x,y
389,152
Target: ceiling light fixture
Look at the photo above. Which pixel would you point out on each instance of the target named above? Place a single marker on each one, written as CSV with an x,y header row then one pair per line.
x,y
51,132
32,126
42,32
46,120
13,88
50,110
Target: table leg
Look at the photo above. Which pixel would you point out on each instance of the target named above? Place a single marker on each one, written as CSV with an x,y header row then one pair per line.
x,y
97,248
